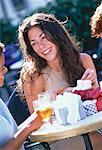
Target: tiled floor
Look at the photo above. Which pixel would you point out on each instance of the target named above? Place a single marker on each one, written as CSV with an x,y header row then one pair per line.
x,y
77,143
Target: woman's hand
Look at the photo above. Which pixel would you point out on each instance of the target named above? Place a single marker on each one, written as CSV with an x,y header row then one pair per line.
x,y
57,92
90,74
60,91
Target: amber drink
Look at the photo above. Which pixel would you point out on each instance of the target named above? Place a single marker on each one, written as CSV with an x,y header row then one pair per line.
x,y
45,113
44,107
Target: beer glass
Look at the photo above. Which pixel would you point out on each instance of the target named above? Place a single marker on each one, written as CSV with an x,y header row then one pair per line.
x,y
43,106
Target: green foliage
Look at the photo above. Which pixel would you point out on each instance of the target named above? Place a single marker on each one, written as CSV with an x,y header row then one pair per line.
x,y
7,32
78,13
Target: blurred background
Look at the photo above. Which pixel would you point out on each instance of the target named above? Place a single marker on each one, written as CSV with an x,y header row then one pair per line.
x,y
78,13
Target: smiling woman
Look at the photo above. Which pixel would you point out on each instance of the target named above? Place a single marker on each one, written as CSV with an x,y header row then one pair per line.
x,y
52,57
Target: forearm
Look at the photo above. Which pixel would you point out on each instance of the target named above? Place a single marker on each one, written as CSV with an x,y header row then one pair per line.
x,y
15,143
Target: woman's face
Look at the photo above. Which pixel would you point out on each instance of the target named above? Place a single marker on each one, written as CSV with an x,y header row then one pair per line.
x,y
3,70
41,45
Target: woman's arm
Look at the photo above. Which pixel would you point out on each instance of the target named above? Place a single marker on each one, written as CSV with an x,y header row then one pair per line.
x,y
32,89
15,143
90,73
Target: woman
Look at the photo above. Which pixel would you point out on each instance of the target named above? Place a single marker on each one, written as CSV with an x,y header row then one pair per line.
x,y
8,126
52,60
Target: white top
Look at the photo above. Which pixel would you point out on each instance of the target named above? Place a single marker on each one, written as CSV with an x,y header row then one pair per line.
x,y
54,79
8,126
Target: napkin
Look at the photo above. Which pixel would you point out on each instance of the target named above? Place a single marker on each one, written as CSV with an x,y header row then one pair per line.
x,y
91,94
73,107
68,108
60,109
83,85
25,123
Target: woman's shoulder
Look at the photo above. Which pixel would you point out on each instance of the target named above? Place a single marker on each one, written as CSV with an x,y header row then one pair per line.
x,y
86,58
34,83
33,78
87,61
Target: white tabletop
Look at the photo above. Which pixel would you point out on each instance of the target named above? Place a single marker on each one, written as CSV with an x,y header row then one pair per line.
x,y
58,132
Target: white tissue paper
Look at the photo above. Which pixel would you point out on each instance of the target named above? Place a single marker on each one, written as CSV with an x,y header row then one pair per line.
x,y
25,123
68,108
83,85
59,107
72,101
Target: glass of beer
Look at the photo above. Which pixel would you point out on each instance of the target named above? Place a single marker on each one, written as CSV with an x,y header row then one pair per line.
x,y
43,106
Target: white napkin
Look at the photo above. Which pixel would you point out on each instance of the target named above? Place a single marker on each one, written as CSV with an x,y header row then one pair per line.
x,y
83,85
59,105
66,108
25,123
72,101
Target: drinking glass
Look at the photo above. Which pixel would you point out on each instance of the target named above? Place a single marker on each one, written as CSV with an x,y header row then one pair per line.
x,y
43,106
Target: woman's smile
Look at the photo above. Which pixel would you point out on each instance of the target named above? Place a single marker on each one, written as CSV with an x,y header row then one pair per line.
x,y
47,52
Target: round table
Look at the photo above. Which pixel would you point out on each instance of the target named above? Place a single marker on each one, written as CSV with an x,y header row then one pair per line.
x,y
58,132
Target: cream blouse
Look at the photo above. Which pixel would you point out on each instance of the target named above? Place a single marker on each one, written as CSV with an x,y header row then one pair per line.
x,y
54,79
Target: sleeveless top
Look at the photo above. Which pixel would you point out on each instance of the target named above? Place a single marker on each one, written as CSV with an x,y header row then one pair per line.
x,y
54,79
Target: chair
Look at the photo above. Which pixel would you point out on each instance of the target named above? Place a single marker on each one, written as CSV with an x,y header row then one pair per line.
x,y
20,112
18,107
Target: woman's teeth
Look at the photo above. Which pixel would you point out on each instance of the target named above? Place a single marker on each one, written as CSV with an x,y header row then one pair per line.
x,y
46,52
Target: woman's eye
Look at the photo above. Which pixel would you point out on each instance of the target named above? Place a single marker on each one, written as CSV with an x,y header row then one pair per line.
x,y
33,44
43,37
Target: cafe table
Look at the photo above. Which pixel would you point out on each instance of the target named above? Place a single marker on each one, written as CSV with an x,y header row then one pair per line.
x,y
57,132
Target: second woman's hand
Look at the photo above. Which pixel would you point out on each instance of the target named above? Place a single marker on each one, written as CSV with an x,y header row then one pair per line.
x,y
36,124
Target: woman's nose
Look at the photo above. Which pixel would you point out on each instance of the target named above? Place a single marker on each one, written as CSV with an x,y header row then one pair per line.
x,y
42,45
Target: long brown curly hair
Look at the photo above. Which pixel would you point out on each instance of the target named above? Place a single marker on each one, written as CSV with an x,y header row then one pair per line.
x,y
55,31
96,22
